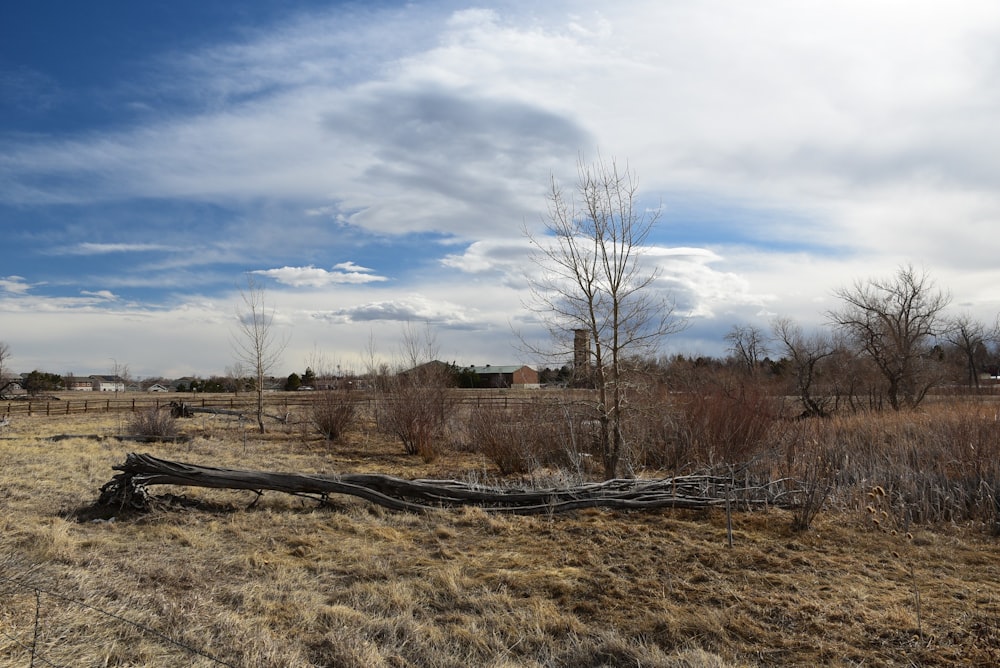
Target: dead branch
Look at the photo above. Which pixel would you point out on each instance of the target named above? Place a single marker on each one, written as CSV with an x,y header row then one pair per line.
x,y
692,491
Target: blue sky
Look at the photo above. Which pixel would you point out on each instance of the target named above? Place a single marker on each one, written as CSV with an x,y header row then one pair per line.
x,y
375,164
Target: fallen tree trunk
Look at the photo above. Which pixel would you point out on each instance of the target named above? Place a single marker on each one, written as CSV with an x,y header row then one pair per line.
x,y
140,471
183,410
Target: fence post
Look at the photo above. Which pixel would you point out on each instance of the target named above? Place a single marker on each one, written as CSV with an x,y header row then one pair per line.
x,y
34,639
47,408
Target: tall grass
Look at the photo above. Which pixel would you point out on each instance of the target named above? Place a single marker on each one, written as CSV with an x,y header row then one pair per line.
x,y
941,464
938,464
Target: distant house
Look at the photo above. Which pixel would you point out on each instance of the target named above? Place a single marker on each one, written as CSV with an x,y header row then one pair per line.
x,y
156,387
107,383
75,384
433,370
518,377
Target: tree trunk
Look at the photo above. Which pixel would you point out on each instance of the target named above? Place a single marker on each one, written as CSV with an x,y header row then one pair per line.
x,y
127,489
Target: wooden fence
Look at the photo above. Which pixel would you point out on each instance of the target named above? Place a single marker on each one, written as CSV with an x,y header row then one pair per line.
x,y
53,406
50,406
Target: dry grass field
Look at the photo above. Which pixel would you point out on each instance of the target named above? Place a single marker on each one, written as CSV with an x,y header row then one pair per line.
x,y
211,582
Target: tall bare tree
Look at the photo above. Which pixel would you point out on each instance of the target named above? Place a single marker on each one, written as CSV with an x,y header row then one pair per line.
x,y
236,373
592,279
971,338
256,343
5,382
806,354
121,376
748,344
894,322
417,346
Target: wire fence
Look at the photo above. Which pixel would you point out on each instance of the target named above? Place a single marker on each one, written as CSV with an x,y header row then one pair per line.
x,y
44,646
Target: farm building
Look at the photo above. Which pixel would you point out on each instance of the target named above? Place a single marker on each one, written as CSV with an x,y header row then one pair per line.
x,y
488,376
77,384
522,377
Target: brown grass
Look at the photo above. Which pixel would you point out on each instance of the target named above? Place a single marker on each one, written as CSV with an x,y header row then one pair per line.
x,y
289,583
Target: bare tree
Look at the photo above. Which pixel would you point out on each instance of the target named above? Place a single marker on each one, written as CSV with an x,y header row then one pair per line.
x,y
237,373
970,339
370,357
415,404
592,279
748,345
256,344
417,347
806,353
894,321
5,382
120,375
376,369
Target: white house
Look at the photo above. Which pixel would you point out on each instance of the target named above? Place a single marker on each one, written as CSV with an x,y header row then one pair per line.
x,y
107,383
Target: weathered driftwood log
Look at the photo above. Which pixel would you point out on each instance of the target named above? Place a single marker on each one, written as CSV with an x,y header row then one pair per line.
x,y
696,491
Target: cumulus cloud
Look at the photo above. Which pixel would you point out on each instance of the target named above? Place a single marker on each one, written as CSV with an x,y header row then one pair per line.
x,y
509,260
688,279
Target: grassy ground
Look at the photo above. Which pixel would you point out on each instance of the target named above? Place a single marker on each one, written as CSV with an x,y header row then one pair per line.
x,y
287,583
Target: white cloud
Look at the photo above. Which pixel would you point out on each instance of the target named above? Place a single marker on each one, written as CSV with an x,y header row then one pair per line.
x,y
106,295
412,308
14,285
353,268
314,277
866,129
102,249
509,259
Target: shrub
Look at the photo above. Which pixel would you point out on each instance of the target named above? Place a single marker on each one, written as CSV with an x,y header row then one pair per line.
x,y
531,435
415,408
502,439
726,425
333,413
153,423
